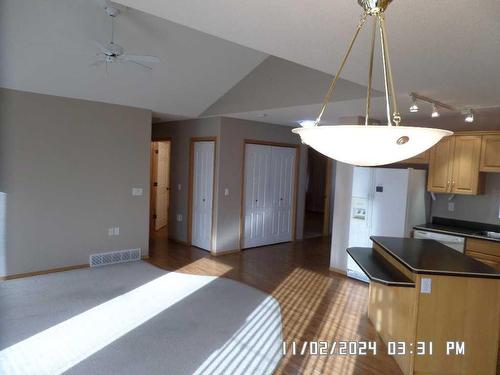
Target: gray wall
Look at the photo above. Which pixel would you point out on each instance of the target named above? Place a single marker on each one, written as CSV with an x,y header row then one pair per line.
x,y
230,135
67,168
180,132
480,208
233,133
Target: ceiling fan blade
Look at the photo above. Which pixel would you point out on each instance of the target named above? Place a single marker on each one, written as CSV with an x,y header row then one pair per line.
x,y
136,58
136,63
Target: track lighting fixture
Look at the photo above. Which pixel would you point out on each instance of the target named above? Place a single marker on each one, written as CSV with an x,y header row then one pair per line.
x,y
469,116
435,112
414,107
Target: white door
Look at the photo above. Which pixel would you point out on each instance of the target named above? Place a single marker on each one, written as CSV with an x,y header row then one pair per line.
x,y
268,200
281,193
163,185
256,200
203,182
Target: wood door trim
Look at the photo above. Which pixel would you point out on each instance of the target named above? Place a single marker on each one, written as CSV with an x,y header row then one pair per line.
x,y
152,177
153,167
328,188
295,184
192,141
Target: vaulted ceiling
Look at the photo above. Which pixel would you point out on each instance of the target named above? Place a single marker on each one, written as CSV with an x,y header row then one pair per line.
x,y
254,59
447,49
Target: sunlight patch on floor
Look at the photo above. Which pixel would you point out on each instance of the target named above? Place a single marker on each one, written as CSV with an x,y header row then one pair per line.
x,y
254,349
62,346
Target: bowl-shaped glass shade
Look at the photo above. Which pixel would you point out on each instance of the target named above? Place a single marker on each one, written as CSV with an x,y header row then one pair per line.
x,y
370,145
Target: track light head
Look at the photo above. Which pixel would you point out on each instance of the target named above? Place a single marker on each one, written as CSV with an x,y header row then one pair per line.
x,y
414,107
469,115
435,112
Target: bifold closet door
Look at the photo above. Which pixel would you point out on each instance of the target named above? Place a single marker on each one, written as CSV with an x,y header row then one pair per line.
x,y
281,192
269,177
203,183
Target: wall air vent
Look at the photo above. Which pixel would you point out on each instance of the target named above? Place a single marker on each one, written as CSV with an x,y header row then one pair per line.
x,y
112,257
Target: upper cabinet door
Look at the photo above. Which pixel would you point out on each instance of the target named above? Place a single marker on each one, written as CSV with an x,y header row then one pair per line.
x,y
466,177
490,153
441,166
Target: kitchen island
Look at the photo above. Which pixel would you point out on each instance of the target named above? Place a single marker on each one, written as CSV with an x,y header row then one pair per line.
x,y
437,310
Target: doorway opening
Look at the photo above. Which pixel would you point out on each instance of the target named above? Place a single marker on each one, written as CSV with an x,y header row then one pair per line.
x,y
160,189
318,195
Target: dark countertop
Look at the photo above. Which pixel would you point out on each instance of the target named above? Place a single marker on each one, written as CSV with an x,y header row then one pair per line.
x,y
432,257
458,227
377,268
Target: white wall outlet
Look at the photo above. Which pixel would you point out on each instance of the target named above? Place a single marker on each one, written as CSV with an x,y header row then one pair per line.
x,y
137,192
451,206
110,231
116,231
426,285
226,192
179,187
179,217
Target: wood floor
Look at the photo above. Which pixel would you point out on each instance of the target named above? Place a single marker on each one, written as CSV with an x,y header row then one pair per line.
x,y
316,304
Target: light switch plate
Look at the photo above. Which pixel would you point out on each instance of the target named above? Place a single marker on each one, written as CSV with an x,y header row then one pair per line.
x,y
179,187
426,285
179,217
226,192
110,231
116,231
137,192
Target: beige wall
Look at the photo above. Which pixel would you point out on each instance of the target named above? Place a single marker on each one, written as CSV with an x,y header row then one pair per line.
x,y
181,132
67,168
230,135
233,133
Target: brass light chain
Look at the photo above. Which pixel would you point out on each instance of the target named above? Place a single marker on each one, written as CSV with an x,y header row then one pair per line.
x,y
329,93
390,95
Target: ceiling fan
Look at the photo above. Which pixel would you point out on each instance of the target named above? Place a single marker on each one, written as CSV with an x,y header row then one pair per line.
x,y
114,53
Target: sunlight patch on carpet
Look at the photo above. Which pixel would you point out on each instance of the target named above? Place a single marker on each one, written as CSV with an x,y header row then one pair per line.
x,y
62,346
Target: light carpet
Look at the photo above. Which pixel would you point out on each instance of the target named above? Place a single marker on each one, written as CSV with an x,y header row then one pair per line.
x,y
135,318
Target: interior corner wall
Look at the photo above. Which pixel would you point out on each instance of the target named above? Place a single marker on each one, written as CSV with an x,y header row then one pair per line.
x,y
341,213
180,133
233,134
67,169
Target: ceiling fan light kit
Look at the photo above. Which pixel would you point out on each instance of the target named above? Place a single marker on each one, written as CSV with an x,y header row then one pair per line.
x,y
370,145
114,53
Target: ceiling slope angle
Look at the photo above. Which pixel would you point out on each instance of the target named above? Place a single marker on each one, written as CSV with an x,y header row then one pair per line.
x,y
277,83
446,49
47,47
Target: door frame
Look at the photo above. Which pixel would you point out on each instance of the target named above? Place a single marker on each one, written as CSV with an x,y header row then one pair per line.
x,y
295,184
192,141
328,196
153,166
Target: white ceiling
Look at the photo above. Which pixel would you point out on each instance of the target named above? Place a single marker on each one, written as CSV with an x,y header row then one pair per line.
x,y
46,47
447,49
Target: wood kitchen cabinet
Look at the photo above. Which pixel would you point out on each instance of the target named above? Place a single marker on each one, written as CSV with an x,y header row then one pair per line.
x,y
441,166
454,166
485,251
490,153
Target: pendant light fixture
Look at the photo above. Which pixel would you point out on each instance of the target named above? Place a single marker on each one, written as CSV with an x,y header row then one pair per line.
x,y
370,145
